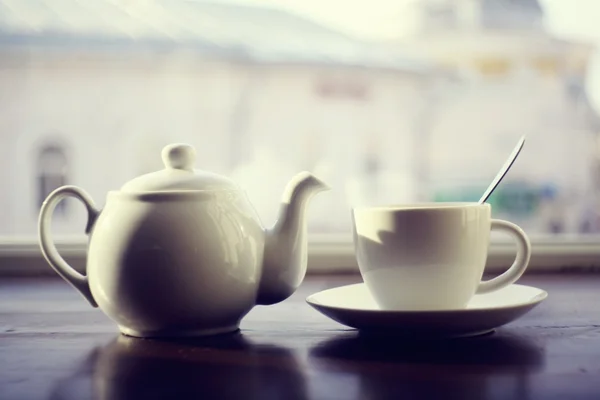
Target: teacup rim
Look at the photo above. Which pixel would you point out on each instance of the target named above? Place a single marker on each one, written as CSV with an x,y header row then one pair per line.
x,y
430,205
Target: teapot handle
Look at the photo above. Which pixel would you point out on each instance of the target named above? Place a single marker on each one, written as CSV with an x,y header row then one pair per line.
x,y
68,273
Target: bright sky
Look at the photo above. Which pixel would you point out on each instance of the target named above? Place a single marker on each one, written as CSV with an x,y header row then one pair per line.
x,y
386,19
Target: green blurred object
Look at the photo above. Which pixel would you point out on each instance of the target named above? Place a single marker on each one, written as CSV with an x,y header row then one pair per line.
x,y
464,193
520,199
514,198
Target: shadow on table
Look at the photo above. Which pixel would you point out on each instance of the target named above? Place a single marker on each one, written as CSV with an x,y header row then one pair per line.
x,y
490,366
493,351
225,366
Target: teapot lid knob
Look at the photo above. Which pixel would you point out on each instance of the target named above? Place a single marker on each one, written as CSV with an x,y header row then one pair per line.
x,y
179,156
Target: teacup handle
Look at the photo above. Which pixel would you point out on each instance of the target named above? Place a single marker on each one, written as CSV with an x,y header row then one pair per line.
x,y
521,260
68,273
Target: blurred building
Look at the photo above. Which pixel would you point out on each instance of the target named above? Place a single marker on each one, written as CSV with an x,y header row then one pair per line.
x,y
517,79
91,91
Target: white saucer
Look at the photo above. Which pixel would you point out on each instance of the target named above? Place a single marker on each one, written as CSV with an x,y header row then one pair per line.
x,y
353,306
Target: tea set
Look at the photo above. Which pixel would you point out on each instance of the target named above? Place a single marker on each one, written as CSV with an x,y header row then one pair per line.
x,y
182,253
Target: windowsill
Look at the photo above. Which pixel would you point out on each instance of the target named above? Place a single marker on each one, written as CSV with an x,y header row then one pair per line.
x,y
333,254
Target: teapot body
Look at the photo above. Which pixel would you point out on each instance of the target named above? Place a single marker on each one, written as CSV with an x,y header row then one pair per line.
x,y
180,252
176,263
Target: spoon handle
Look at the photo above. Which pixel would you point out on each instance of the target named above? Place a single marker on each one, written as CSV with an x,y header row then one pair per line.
x,y
509,162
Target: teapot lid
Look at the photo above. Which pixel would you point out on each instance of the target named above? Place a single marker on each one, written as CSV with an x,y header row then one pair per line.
x,y
179,174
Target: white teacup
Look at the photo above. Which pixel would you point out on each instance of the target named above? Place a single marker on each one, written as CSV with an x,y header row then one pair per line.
x,y
430,256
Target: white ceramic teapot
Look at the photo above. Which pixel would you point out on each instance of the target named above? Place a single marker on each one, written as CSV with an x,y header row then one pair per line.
x,y
180,252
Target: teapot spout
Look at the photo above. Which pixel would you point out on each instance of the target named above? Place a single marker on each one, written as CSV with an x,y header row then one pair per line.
x,y
285,254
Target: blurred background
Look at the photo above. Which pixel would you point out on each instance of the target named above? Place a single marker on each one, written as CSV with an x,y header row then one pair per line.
x,y
388,101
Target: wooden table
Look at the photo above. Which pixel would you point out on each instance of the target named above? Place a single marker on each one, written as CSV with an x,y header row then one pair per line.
x,y
54,346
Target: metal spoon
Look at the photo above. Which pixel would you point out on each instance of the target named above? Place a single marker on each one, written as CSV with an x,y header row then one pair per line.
x,y
503,171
